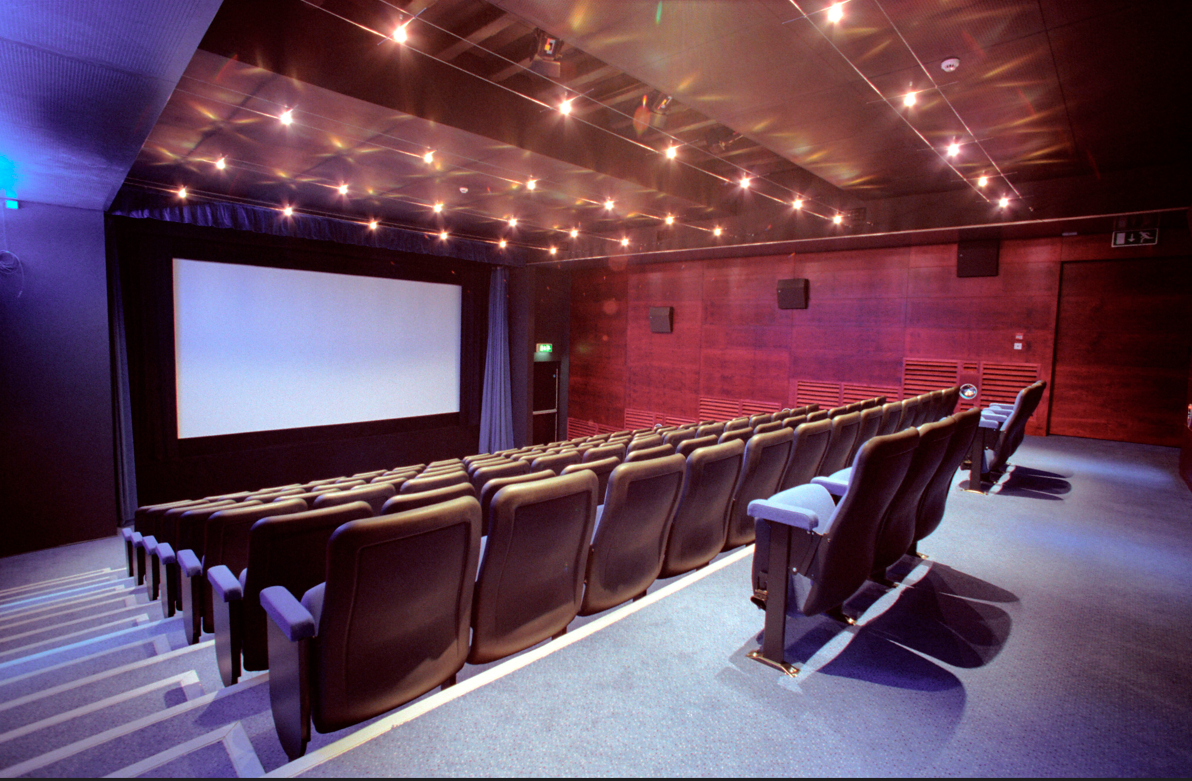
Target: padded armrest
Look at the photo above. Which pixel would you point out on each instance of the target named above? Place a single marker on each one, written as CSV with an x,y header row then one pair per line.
x,y
190,564
165,552
837,482
126,533
805,506
995,414
1008,408
149,544
137,540
225,583
992,423
295,621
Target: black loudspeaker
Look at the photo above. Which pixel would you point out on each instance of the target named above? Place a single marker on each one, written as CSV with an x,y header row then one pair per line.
x,y
662,319
792,294
977,258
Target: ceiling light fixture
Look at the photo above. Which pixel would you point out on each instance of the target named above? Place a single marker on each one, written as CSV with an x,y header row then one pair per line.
x,y
438,207
672,152
288,211
909,99
984,180
532,184
745,182
182,193
221,164
372,225
287,116
717,231
443,235
502,244
609,204
1003,202
429,157
953,149
625,242
670,219
553,250
838,219
575,233
512,222
565,107
836,12
343,189
798,203
400,35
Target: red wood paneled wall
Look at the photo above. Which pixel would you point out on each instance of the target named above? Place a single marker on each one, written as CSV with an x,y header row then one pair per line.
x,y
870,311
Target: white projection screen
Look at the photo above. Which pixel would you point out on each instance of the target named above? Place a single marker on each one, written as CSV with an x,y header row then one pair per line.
x,y
261,349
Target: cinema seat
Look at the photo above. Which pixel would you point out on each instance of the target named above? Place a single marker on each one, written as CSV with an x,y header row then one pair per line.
x,y
828,546
169,542
388,624
374,494
602,469
891,415
910,411
935,496
844,434
766,428
1012,428
404,502
643,442
807,452
486,473
735,434
491,488
677,436
531,579
687,447
645,454
817,415
194,593
701,520
629,544
283,550
556,462
431,483
763,464
736,423
871,420
896,534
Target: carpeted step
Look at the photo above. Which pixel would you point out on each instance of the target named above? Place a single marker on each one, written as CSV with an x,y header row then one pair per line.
x,y
49,701
98,663
175,728
87,646
66,583
49,599
66,615
93,601
36,640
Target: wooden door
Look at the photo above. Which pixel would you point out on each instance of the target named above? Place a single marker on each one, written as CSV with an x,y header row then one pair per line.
x,y
1123,349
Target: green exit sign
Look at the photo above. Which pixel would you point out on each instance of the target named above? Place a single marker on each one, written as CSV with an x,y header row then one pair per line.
x,y
546,347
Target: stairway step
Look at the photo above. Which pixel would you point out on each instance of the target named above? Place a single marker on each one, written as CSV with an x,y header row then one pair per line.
x,y
66,616
222,753
46,702
37,640
90,600
113,586
84,667
132,742
59,584
10,668
30,741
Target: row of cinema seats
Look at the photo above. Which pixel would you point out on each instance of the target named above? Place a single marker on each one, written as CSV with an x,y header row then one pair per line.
x,y
572,528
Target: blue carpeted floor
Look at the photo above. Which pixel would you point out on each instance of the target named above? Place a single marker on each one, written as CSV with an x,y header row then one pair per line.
x,y
1045,635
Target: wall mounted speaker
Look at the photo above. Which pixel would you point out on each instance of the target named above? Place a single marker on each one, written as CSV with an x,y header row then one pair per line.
x,y
662,319
977,258
792,293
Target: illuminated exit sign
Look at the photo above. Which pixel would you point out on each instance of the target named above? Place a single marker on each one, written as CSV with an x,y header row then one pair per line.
x,y
546,347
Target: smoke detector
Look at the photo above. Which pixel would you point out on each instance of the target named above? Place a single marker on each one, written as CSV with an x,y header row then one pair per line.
x,y
950,64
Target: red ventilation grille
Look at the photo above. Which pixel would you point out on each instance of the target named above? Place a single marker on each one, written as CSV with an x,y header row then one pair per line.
x,y
637,418
968,367
603,429
926,376
719,409
853,393
675,420
580,428
749,407
825,394
1000,382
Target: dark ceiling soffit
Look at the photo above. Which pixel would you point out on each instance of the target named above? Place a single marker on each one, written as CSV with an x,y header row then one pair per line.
x,y
254,219
1178,219
309,46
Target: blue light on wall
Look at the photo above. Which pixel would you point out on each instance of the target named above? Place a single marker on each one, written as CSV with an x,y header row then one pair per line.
x,y
10,203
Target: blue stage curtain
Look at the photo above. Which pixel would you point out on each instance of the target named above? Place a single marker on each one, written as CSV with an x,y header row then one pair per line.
x,y
496,405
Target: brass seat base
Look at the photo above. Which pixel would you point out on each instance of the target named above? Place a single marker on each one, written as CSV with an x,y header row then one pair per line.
x,y
789,669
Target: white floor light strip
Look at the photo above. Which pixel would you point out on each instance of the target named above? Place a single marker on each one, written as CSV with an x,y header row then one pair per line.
x,y
422,707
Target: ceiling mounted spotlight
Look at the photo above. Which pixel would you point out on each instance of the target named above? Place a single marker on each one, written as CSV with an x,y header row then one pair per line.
x,y
717,231
909,99
672,152
625,242
798,203
287,116
443,235
429,157
502,244
565,107
984,180
838,219
953,149
836,12
182,193
438,207
1003,202
221,164
609,204
553,250
575,233
400,34
532,184
949,65
372,225
343,189
745,182
512,222
670,219
288,211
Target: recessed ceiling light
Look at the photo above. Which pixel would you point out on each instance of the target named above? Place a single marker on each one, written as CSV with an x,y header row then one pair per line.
x,y
553,250
288,211
839,218
565,106
984,180
221,164
502,243
372,225
443,235
798,203
745,182
182,193
717,231
672,152
400,35
343,189
670,219
953,149
512,222
532,184
429,157
609,204
438,207
836,12
575,233
625,242
1003,202
909,99
287,116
